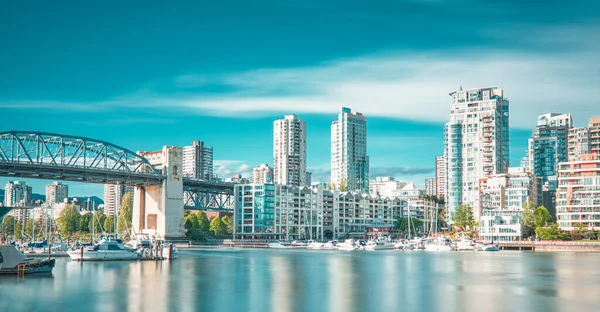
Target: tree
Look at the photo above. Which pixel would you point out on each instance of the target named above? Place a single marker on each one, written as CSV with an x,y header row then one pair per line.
x,y
442,218
18,230
528,219
217,226
191,222
29,227
203,221
126,213
463,216
109,224
402,224
541,217
8,226
68,221
343,185
195,234
97,222
85,222
228,224
548,232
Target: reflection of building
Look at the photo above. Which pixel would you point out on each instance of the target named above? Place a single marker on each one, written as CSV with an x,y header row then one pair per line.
x,y
577,196
198,161
56,192
289,151
385,186
262,174
349,160
477,144
288,212
113,195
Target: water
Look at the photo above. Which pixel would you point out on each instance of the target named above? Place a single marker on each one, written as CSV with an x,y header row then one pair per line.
x,y
304,280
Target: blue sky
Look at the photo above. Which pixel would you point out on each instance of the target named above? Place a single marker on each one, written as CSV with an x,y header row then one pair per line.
x,y
147,74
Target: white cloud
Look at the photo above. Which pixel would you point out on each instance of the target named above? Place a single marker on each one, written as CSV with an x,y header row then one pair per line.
x,y
229,168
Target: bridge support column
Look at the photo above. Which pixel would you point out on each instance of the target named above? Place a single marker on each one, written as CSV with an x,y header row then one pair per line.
x,y
158,209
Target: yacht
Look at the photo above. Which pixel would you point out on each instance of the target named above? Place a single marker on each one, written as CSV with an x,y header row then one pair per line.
x,y
330,245
299,244
465,244
279,245
12,261
315,245
381,243
439,244
106,250
346,245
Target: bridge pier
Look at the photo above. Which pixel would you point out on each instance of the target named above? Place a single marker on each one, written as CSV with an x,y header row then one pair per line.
x,y
158,209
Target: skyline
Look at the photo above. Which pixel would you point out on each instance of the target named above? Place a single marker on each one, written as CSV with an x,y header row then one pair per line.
x,y
146,75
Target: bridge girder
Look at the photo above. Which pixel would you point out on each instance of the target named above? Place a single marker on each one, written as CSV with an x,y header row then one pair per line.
x,y
208,198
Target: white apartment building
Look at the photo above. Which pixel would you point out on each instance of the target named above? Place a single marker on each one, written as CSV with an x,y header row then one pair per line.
x,y
349,160
56,192
113,195
476,144
385,186
409,191
430,186
578,193
509,191
289,151
262,174
440,176
17,194
501,225
198,161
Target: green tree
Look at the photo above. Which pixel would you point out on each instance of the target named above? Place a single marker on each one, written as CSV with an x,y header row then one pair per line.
x,y
228,224
402,224
528,219
541,217
8,226
217,226
551,232
126,213
97,222
29,227
463,216
109,224
191,222
203,221
343,185
18,230
68,220
84,222
195,234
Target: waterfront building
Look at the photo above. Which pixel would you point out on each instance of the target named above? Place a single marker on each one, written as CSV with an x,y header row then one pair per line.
x,y
289,212
504,225
56,192
198,161
476,143
509,191
440,176
113,196
289,151
385,186
349,160
430,186
577,196
262,174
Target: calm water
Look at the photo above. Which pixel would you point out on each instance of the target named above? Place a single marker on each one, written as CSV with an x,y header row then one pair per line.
x,y
302,280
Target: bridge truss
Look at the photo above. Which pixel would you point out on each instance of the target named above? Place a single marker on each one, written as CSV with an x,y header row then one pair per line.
x,y
204,195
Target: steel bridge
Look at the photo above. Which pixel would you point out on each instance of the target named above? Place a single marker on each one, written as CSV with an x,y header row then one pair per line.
x,y
51,156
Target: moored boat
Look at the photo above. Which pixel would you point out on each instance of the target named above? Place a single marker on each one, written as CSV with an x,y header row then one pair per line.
x,y
14,262
107,250
346,245
315,245
278,245
491,247
381,243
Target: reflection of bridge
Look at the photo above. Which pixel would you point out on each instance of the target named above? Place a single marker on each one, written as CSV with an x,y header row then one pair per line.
x,y
161,192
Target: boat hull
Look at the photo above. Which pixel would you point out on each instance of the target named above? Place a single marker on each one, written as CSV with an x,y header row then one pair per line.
x,y
31,267
103,255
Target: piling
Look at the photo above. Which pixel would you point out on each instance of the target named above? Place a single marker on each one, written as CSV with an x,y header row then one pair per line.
x,y
81,255
170,251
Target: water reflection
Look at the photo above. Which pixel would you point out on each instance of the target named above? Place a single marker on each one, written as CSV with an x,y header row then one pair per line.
x,y
284,280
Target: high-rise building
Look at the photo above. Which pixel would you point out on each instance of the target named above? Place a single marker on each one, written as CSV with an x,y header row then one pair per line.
x,y
349,160
548,145
198,161
289,151
594,131
113,195
579,142
476,144
440,176
577,198
17,193
430,186
262,174
56,192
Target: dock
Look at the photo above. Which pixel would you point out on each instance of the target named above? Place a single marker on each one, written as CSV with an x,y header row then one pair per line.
x,y
551,246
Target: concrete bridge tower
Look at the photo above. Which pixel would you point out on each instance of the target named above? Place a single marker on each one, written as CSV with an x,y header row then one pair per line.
x,y
158,209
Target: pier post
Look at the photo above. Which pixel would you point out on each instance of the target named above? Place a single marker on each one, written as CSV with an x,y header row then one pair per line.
x,y
170,251
81,259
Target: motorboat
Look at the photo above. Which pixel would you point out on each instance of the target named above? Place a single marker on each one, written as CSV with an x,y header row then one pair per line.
x,y
12,261
279,245
139,241
299,244
381,243
107,250
439,244
465,244
167,248
330,245
315,245
346,245
491,247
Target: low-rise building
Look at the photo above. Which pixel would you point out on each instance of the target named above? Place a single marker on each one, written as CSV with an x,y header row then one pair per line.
x,y
385,186
503,225
578,193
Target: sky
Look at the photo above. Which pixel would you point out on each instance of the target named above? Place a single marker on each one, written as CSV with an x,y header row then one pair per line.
x,y
144,74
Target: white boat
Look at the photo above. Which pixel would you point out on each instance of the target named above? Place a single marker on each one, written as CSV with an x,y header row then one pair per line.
x,y
298,244
315,245
439,244
330,245
346,245
107,250
279,245
380,243
490,248
465,244
167,251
